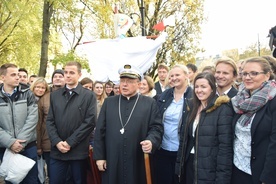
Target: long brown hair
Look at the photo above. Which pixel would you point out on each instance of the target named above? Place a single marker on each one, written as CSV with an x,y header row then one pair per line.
x,y
195,101
103,95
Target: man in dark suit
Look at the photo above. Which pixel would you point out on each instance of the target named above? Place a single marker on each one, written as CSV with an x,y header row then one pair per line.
x,y
160,85
226,73
70,121
192,73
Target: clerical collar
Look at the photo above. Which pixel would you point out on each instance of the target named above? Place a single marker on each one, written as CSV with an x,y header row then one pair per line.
x,y
130,98
122,130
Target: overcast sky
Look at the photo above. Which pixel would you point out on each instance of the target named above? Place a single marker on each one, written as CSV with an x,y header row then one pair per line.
x,y
236,24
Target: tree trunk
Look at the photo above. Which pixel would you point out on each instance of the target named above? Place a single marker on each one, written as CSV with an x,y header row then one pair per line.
x,y
47,14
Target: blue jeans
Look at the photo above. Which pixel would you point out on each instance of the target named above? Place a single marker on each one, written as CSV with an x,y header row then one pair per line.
x,y
59,169
32,176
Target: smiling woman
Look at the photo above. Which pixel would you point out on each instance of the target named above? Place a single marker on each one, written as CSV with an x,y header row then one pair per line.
x,y
39,87
205,152
147,87
255,72
99,89
109,88
173,108
255,122
87,83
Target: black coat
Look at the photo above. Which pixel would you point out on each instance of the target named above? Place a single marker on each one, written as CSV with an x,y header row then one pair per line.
x,y
233,91
263,144
71,120
157,87
123,152
213,144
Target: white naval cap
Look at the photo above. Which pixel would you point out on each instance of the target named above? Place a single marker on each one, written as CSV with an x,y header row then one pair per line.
x,y
130,71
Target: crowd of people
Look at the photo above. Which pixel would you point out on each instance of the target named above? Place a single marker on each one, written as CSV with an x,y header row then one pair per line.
x,y
214,125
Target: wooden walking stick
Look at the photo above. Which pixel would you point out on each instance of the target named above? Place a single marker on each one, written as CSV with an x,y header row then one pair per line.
x,y
147,166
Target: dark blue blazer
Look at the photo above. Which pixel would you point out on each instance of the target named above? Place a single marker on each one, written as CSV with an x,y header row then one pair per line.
x,y
158,88
233,91
263,144
166,98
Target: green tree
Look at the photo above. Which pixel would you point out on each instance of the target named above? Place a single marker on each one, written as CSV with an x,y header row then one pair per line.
x,y
25,39
67,21
252,51
182,43
20,33
62,59
233,54
94,20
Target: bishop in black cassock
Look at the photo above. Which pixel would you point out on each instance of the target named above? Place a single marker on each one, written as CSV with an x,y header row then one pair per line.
x,y
124,122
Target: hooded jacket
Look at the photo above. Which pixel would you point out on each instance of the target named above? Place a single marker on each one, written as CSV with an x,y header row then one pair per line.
x,y
18,117
213,144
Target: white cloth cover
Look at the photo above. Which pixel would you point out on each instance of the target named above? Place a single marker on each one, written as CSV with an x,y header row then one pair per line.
x,y
15,166
106,56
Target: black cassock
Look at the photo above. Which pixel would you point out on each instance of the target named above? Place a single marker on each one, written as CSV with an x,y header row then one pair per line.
x,y
123,152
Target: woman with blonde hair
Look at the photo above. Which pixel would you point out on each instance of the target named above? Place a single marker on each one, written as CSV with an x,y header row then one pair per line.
x,y
255,125
99,90
39,87
172,106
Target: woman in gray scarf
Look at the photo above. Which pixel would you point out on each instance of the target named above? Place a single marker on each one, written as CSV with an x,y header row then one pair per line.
x,y
255,125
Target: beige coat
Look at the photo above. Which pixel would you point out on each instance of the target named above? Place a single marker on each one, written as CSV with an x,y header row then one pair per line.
x,y
43,141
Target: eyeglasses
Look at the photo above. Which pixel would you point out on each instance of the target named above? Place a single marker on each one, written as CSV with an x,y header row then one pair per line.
x,y
251,74
40,87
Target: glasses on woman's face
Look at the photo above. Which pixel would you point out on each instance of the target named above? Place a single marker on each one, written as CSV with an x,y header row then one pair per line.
x,y
40,87
251,74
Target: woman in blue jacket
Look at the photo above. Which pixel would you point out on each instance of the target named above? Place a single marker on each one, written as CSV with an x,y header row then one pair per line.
x,y
172,105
